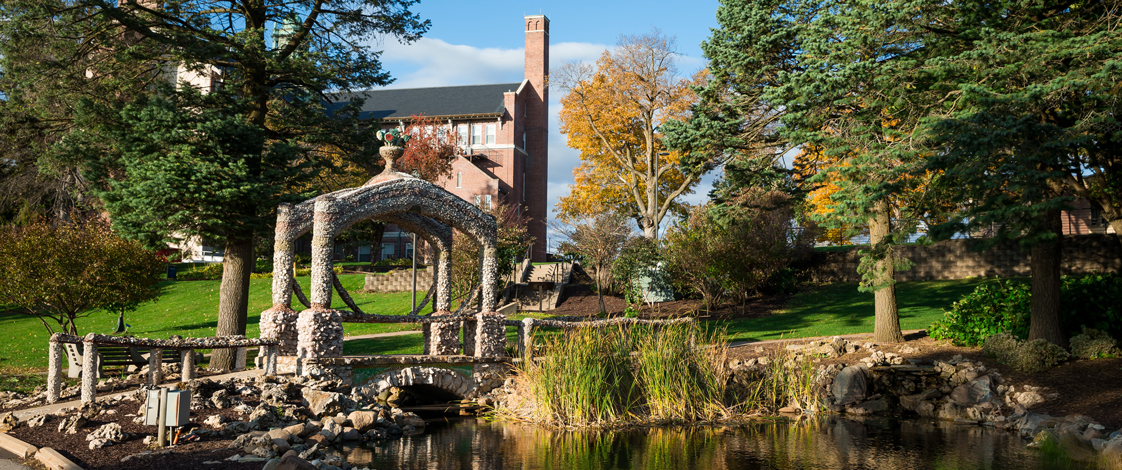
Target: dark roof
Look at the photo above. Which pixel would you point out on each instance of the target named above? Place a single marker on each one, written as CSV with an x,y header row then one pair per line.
x,y
437,101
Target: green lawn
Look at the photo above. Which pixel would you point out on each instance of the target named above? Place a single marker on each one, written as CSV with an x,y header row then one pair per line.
x,y
190,308
839,309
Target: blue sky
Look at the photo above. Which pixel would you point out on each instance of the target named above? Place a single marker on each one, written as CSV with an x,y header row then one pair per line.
x,y
482,42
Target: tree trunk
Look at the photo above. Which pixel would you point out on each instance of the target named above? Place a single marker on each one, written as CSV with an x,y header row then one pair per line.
x,y
1045,264
378,230
650,231
886,325
1116,224
233,298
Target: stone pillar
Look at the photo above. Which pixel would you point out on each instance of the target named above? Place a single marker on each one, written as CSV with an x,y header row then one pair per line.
x,y
444,338
54,371
526,339
488,276
270,361
321,334
323,248
89,370
187,364
280,324
155,366
490,335
442,279
283,251
239,359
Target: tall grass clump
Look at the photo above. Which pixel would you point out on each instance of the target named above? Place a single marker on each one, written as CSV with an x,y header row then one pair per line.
x,y
679,381
597,377
584,378
783,380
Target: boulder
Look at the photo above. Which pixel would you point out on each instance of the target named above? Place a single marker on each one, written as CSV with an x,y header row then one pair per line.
x,y
849,386
71,424
973,392
331,430
9,422
38,420
100,443
322,403
280,445
281,434
292,462
1028,399
214,421
363,420
869,407
111,432
409,419
350,434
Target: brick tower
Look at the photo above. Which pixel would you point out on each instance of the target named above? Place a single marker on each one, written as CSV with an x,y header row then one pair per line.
x,y
537,130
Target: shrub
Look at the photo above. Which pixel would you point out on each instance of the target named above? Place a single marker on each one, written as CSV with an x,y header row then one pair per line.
x,y
60,273
1089,301
1037,355
1094,301
989,310
1002,346
733,254
1092,344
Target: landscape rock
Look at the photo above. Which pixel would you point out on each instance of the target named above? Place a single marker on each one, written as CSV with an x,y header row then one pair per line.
x,y
323,403
280,445
8,422
99,443
281,434
850,385
1028,399
973,392
409,419
214,421
111,432
37,420
363,420
350,434
295,463
71,424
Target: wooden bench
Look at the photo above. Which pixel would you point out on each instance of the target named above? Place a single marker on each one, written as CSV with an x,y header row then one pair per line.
x,y
118,359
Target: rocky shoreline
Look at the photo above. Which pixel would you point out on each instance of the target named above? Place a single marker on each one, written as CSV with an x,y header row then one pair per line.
x,y
284,422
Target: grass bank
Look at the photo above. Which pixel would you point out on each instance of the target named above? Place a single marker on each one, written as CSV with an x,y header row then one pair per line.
x,y
839,309
190,309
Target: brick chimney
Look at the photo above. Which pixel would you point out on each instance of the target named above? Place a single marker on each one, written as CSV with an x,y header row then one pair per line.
x,y
537,130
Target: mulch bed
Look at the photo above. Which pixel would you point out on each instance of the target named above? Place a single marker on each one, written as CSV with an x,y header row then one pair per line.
x,y
185,456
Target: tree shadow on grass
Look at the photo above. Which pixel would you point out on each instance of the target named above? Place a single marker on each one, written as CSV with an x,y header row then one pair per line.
x,y
404,344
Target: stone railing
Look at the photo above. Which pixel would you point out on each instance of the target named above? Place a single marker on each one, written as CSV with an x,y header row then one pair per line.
x,y
185,346
527,325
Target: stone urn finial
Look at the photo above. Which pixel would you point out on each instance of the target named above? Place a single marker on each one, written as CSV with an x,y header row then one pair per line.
x,y
394,148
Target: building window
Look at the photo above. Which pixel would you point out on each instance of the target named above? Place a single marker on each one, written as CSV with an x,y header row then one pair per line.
x,y
409,251
476,134
462,134
523,141
459,179
387,250
1097,219
487,202
523,185
490,133
477,198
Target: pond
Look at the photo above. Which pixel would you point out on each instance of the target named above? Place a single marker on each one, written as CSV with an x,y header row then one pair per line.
x,y
825,443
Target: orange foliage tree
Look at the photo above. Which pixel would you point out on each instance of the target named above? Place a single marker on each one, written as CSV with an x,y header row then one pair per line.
x,y
612,113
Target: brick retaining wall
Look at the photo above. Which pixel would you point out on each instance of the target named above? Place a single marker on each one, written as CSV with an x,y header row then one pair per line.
x,y
953,259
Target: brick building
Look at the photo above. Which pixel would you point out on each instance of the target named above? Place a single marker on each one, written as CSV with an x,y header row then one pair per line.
x,y
502,130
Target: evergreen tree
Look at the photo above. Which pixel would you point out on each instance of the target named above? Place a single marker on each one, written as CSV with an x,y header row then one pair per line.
x,y
215,162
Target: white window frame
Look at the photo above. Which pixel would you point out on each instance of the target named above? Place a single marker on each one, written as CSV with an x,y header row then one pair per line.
x,y
462,134
491,134
487,202
476,134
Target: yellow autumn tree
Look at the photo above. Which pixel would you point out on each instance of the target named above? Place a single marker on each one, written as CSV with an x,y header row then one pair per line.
x,y
611,113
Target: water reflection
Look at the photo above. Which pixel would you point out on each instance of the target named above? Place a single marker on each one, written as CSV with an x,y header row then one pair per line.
x,y
828,443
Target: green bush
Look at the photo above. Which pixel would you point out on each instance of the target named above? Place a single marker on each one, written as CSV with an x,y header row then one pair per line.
x,y
1037,355
989,310
1093,344
1091,300
394,262
1002,346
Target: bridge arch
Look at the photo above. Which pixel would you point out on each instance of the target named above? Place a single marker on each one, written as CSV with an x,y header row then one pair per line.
x,y
447,384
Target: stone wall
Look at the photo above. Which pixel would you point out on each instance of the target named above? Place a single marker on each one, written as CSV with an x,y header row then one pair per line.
x,y
400,280
955,259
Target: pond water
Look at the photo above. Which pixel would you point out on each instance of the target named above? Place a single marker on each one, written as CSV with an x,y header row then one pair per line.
x,y
826,443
